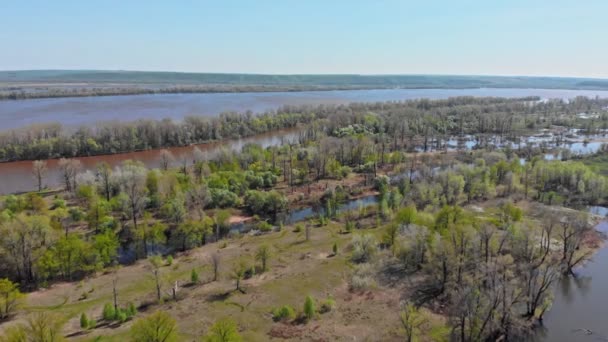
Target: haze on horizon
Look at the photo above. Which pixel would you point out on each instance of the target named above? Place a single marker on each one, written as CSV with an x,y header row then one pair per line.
x,y
471,37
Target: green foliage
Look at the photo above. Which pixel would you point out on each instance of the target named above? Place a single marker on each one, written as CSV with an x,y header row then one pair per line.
x,y
169,260
262,255
309,308
265,203
327,305
334,248
157,327
194,276
283,313
223,330
84,321
108,313
364,248
406,215
10,298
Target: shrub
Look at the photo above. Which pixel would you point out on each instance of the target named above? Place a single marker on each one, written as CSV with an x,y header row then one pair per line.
x,y
121,315
285,312
194,277
169,260
298,228
84,321
264,226
327,305
364,248
131,309
363,277
309,308
335,248
109,314
224,330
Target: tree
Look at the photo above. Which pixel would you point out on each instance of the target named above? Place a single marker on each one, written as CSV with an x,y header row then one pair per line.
x,y
39,170
221,219
411,321
390,236
215,263
157,327
166,158
223,330
44,327
309,308
155,264
238,273
132,180
10,297
69,169
104,176
84,321
262,255
23,241
106,247
194,277
148,234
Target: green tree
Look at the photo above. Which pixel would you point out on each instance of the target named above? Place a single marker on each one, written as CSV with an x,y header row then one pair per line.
x,y
262,255
309,308
223,330
10,298
157,327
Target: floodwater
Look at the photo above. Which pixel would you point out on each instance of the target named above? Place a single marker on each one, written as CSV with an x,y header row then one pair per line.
x,y
89,110
17,176
580,307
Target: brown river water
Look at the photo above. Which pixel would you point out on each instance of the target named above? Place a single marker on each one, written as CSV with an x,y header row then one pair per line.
x,y
17,176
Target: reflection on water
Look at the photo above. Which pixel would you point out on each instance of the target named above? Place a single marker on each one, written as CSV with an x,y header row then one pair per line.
x,y
580,308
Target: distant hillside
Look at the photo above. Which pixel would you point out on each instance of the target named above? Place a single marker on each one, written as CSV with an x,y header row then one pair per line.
x,y
402,81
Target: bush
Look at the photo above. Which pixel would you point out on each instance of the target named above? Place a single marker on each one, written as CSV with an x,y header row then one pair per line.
x,y
327,305
169,260
109,314
364,248
309,308
121,316
131,309
363,277
298,228
335,248
264,226
194,277
285,312
84,321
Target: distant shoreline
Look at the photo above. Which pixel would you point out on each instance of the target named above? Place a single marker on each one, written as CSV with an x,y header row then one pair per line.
x,y
37,84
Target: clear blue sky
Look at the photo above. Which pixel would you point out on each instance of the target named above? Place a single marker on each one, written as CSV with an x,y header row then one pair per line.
x,y
495,37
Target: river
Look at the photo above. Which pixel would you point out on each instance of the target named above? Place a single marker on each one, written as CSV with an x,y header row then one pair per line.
x,y
17,176
580,308
88,110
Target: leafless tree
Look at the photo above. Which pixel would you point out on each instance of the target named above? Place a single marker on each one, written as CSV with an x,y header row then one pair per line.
x,y
39,170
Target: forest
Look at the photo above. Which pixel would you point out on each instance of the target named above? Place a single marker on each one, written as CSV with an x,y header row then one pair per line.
x,y
443,245
399,121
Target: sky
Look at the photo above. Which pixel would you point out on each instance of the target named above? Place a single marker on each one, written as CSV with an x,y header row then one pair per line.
x,y
453,37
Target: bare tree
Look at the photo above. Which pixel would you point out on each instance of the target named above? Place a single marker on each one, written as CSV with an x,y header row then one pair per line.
x,y
215,262
39,170
166,158
132,179
69,169
104,174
